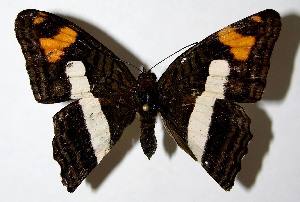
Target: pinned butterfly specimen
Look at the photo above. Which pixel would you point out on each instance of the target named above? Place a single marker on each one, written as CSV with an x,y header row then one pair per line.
x,y
196,96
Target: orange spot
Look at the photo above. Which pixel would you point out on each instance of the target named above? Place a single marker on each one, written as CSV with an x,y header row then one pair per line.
x,y
256,18
42,14
38,20
240,46
241,53
54,47
66,34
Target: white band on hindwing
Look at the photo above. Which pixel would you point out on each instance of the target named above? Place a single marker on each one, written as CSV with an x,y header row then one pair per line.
x,y
200,119
97,125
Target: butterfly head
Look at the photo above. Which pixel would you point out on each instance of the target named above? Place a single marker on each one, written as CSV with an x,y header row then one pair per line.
x,y
146,77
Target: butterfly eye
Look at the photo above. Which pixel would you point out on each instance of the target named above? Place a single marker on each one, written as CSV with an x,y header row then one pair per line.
x,y
146,107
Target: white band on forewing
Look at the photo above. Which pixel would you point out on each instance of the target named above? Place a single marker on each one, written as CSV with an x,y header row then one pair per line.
x,y
80,87
215,82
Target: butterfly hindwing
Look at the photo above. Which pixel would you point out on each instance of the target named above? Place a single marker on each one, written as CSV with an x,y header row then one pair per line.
x,y
200,88
85,131
213,131
64,62
218,135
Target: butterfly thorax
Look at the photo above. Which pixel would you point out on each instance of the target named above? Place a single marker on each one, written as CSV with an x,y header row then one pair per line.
x,y
148,107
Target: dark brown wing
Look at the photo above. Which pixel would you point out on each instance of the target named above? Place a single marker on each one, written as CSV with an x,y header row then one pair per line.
x,y
213,132
64,62
85,131
199,90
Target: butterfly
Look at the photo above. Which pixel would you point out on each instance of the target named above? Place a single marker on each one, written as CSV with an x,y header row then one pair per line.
x,y
196,96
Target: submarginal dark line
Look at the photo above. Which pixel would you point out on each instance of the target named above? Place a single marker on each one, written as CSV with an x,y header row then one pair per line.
x,y
182,72
62,156
103,65
228,160
242,150
67,172
111,68
226,142
193,62
241,136
174,75
234,169
96,58
70,150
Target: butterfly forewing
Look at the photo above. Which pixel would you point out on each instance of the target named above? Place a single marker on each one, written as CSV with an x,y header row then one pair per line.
x,y
64,62
245,49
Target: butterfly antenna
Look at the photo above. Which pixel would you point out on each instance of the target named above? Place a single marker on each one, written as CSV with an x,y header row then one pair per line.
x,y
173,54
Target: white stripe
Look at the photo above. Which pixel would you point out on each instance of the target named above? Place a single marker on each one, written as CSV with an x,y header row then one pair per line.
x,y
219,68
80,87
218,72
97,126
199,125
201,116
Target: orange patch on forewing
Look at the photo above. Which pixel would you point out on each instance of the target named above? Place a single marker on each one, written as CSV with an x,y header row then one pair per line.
x,y
54,47
241,53
66,34
240,46
42,14
256,18
38,20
